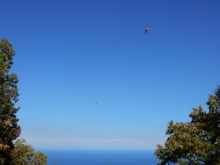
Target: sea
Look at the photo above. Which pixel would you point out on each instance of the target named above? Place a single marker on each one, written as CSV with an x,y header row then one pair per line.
x,y
100,157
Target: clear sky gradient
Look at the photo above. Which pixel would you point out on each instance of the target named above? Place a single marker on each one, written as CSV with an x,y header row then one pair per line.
x,y
70,54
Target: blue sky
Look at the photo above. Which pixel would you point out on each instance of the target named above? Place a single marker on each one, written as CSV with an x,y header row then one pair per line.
x,y
70,54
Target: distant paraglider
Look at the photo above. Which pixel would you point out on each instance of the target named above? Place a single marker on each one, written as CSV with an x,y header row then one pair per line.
x,y
98,102
59,154
146,30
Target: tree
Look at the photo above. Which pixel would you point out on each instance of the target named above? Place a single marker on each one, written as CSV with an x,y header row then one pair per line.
x,y
196,142
24,154
9,130
16,153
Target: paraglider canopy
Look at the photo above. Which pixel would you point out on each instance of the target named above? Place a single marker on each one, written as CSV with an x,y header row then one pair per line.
x,y
98,102
59,154
146,30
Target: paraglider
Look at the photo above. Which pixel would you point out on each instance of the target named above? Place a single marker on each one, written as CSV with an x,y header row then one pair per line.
x,y
146,30
59,154
98,102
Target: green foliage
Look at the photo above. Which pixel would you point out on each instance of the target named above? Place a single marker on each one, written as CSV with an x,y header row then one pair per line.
x,y
12,153
24,154
196,142
9,130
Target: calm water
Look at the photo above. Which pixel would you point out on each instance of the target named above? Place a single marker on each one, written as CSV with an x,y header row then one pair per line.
x,y
100,157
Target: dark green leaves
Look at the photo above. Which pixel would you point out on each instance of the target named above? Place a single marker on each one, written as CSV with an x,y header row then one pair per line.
x,y
24,154
9,130
196,142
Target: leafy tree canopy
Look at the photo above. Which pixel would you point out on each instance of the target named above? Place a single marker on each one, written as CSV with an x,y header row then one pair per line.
x,y
196,142
24,154
16,153
9,130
